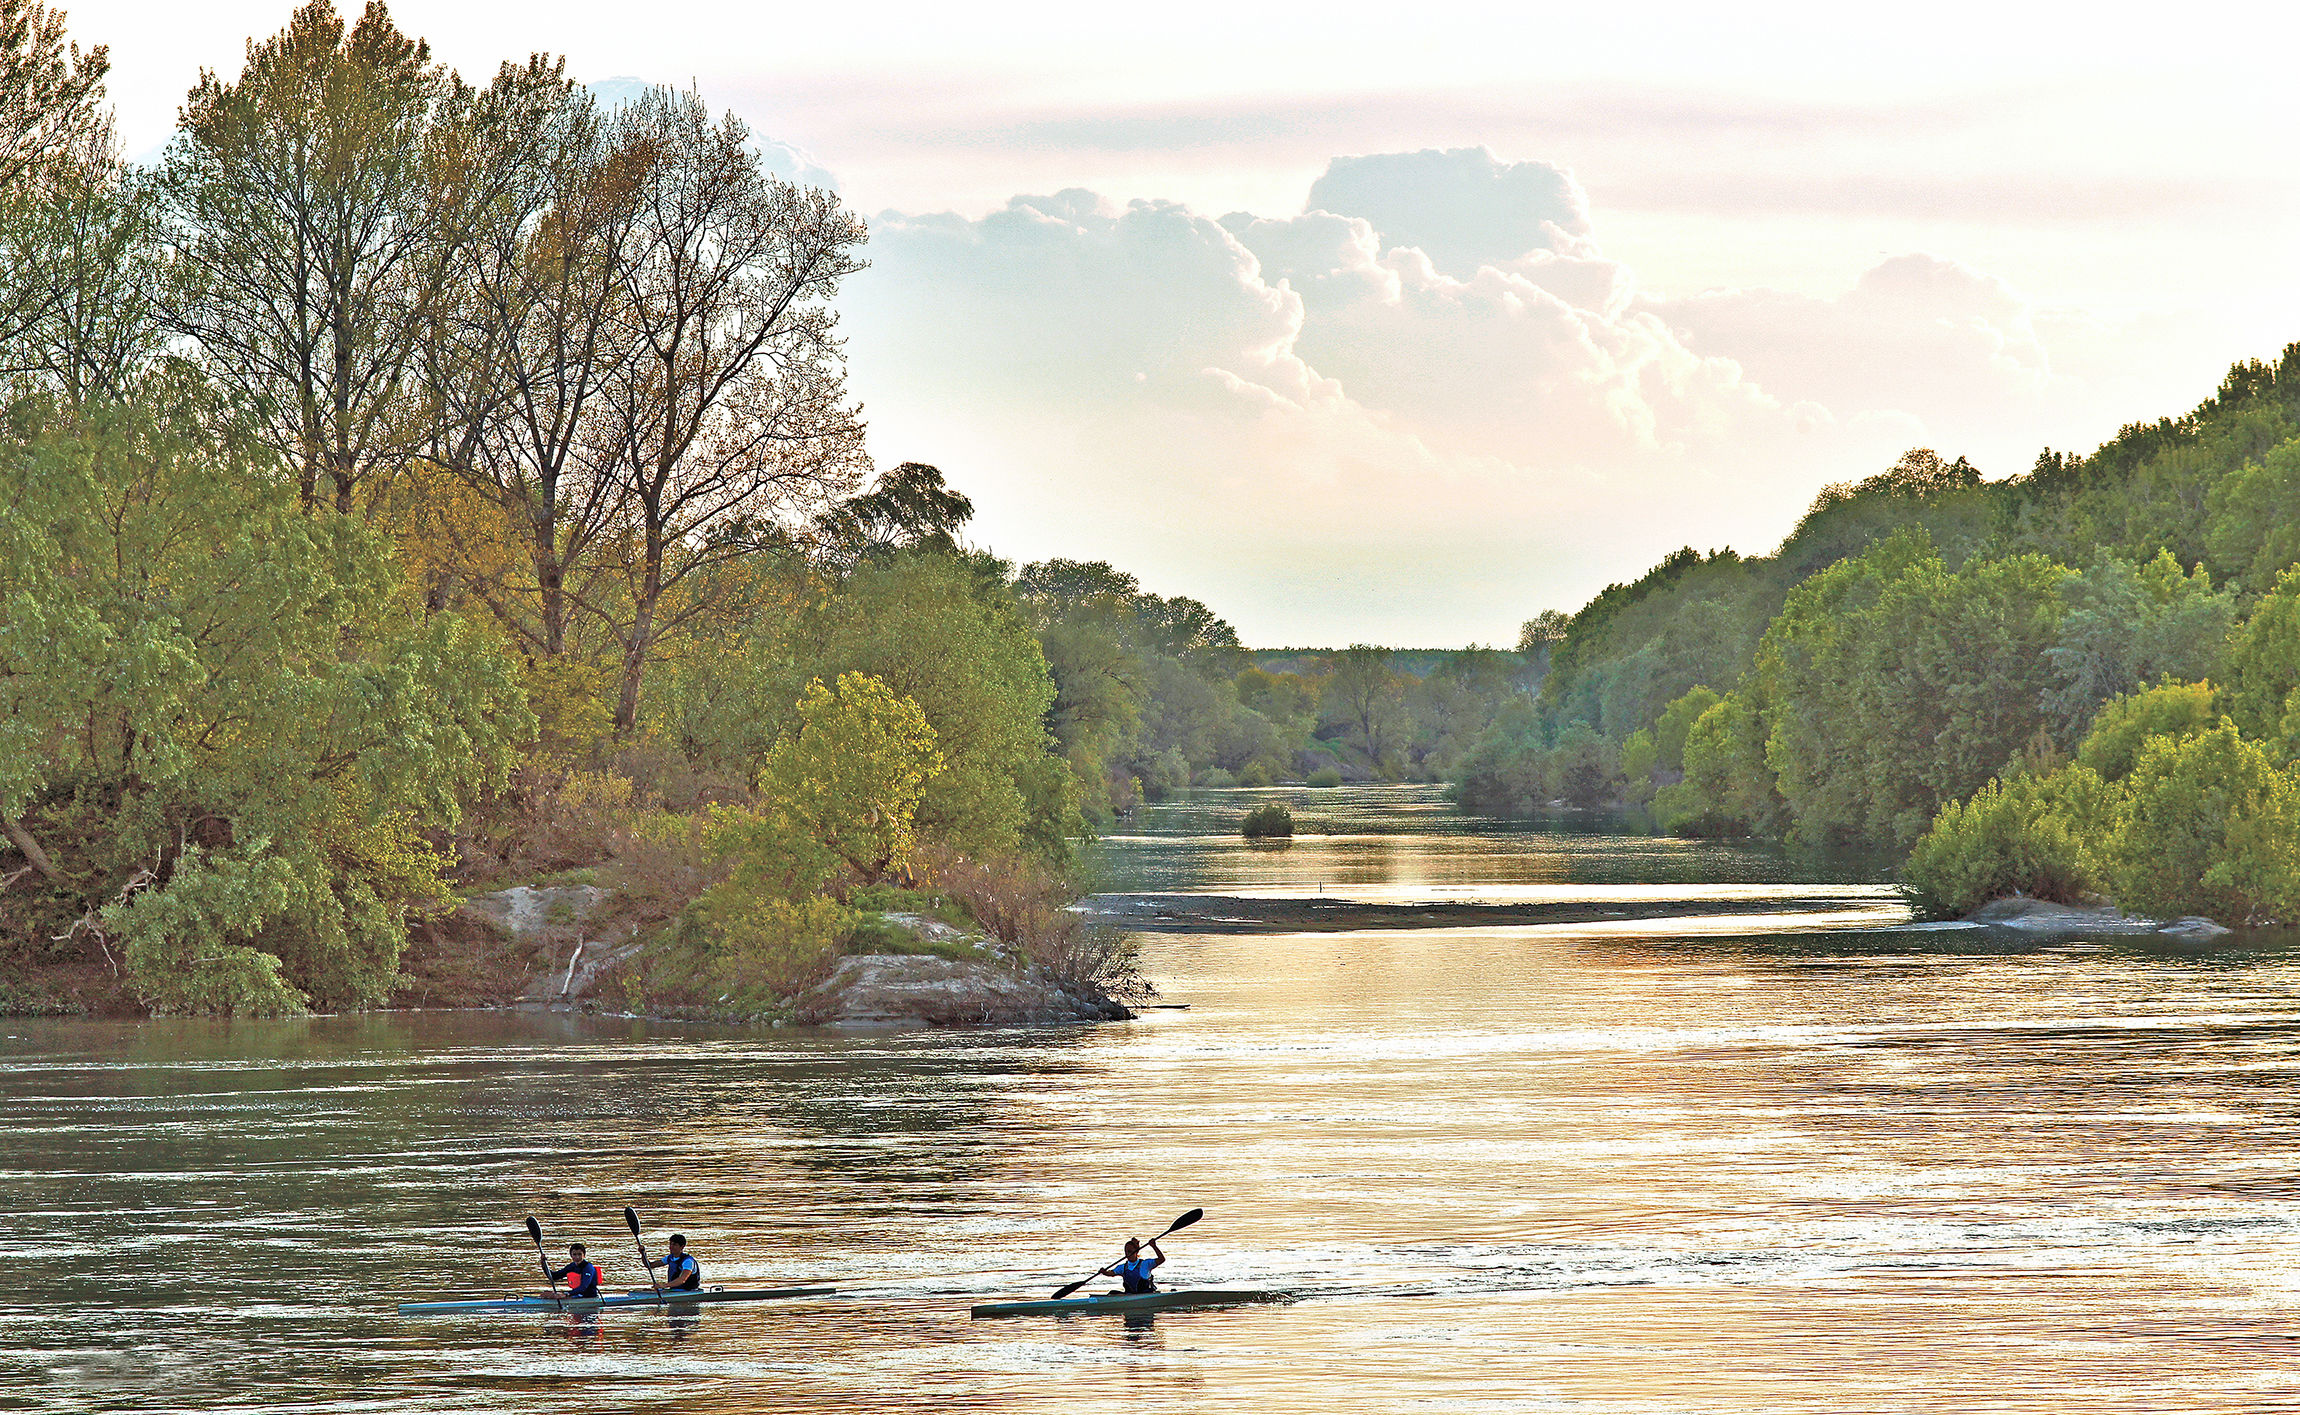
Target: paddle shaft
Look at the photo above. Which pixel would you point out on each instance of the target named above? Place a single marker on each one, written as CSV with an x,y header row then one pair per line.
x,y
535,1231
1183,1222
631,1217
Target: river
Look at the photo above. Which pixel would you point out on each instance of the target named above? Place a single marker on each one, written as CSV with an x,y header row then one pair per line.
x,y
1709,1135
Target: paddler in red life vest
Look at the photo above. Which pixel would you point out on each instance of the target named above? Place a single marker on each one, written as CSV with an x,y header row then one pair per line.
x,y
1134,1272
681,1273
581,1275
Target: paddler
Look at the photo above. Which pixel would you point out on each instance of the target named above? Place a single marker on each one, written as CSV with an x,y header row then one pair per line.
x,y
1133,1272
581,1275
681,1273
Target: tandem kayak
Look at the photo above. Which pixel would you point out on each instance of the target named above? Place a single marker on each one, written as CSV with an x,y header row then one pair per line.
x,y
644,1298
1124,1302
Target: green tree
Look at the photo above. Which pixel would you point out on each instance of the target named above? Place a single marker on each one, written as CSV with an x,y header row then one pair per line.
x,y
311,220
2128,627
1363,702
926,626
222,731
2210,825
2126,724
2263,690
851,776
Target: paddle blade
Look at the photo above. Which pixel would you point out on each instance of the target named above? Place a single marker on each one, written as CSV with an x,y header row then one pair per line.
x,y
1062,1292
631,1217
1185,1221
535,1230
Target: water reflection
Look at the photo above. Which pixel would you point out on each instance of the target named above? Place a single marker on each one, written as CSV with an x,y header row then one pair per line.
x,y
1723,1157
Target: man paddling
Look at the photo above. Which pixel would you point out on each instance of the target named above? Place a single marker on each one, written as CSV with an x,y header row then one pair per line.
x,y
1134,1271
581,1275
681,1273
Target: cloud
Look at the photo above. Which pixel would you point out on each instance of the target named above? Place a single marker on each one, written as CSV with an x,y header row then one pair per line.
x,y
1461,208
1283,414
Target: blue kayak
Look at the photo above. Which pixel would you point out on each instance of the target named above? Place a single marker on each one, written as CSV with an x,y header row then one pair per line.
x,y
645,1298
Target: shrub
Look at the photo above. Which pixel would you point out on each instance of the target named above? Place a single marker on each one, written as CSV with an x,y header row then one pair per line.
x,y
1025,905
2026,835
1326,776
2210,825
1272,820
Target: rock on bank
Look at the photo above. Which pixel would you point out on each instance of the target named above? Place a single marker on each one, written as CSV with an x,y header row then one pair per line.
x,y
912,990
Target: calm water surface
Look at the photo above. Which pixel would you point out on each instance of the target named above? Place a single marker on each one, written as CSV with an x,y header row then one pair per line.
x,y
1770,1153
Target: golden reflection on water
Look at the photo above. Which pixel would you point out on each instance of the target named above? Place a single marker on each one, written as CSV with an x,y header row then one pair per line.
x,y
1714,1162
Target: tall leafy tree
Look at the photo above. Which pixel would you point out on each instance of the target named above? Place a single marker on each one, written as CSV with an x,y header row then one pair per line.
x,y
313,201
733,422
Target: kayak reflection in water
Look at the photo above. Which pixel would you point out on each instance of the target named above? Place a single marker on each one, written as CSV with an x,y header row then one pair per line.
x,y
581,1276
681,1273
1134,1271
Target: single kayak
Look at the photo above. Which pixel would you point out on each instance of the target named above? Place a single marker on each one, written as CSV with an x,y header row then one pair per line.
x,y
645,1298
1125,1302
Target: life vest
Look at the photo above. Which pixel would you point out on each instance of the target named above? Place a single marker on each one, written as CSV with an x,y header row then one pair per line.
x,y
681,1272
1134,1274
582,1279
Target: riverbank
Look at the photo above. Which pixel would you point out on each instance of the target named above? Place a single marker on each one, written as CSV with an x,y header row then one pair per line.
x,y
561,947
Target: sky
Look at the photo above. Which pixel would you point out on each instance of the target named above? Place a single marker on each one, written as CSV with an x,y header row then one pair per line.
x,y
1399,324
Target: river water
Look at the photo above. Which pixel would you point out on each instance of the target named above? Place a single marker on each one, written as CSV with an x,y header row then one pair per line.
x,y
1716,1137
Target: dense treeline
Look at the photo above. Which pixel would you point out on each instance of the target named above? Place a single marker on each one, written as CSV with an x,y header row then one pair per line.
x,y
1924,638
411,484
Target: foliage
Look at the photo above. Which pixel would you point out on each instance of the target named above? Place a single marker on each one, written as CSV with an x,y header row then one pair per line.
x,y
1272,820
2210,825
2126,724
853,772
2263,692
214,703
2026,835
1325,776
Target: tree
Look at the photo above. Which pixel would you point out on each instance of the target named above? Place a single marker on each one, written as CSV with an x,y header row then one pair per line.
x,y
909,508
852,775
1364,699
2209,825
312,207
932,632
531,337
2126,628
735,419
222,733
78,254
2264,667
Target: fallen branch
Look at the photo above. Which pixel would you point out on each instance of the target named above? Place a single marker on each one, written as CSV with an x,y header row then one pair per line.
x,y
31,850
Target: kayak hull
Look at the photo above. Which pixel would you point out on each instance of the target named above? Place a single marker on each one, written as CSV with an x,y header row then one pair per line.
x,y
1117,1302
593,1304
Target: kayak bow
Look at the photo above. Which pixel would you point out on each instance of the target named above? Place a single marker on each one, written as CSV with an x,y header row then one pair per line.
x,y
593,1304
1128,1302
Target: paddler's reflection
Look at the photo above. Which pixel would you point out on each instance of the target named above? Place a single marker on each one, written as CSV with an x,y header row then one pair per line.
x,y
582,1329
683,1320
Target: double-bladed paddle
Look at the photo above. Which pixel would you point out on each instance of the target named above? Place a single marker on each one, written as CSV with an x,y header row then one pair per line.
x,y
1183,1222
535,1231
631,1217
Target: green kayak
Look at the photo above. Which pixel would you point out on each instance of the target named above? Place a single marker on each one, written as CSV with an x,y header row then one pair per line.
x,y
1124,1302
643,1298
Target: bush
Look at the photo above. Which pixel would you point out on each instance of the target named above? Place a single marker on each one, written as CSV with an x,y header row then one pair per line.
x,y
2210,825
2027,835
1272,820
1026,906
1326,776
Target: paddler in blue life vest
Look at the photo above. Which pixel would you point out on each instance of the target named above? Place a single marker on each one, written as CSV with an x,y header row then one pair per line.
x,y
1134,1272
581,1275
681,1273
